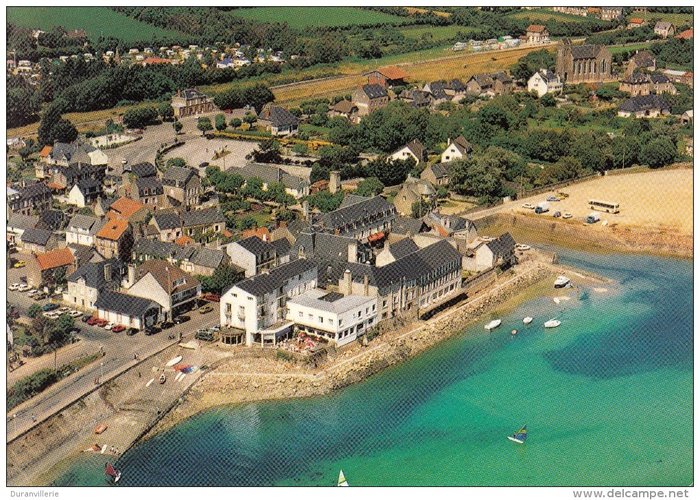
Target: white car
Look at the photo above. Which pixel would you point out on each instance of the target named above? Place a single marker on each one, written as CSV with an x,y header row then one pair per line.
x,y
75,314
566,215
51,315
23,287
14,286
109,326
64,309
32,293
529,206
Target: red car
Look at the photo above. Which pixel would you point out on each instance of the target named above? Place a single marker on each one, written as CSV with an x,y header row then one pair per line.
x,y
92,321
211,297
101,322
118,328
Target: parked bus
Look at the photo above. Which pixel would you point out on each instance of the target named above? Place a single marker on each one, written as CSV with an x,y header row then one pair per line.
x,y
604,206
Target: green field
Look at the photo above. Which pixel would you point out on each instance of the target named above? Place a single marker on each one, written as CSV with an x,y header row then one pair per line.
x,y
306,17
616,49
546,14
676,19
96,21
438,33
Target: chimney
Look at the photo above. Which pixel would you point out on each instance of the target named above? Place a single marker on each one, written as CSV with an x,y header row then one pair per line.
x,y
131,276
347,282
108,271
352,251
366,286
305,209
334,181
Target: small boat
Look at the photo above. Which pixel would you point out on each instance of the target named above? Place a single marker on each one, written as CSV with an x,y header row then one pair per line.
x,y
341,479
552,323
514,332
520,435
112,472
174,361
493,324
104,448
100,428
522,247
527,320
161,379
561,282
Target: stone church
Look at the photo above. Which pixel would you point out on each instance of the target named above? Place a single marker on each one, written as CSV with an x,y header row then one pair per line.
x,y
583,63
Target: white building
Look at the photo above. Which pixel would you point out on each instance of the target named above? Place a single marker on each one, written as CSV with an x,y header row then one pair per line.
x,y
456,149
258,305
413,150
337,317
545,82
81,230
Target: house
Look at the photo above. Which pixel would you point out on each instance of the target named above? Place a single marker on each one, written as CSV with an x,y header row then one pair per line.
x,y
167,285
148,191
295,186
333,316
456,149
685,34
661,84
321,247
395,251
455,89
583,63
413,191
610,13
664,29
687,117
490,84
81,230
127,310
114,240
65,177
452,226
490,254
365,219
257,306
35,240
536,34
50,267
167,225
143,169
17,224
406,227
411,285
198,222
676,76
544,82
89,280
280,121
255,256
388,76
32,198
193,259
344,108
437,92
635,22
190,102
417,98
127,209
643,60
182,186
647,106
53,220
78,151
636,84
85,192
413,150
369,98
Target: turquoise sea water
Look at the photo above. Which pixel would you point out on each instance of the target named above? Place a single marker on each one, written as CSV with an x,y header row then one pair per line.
x,y
607,398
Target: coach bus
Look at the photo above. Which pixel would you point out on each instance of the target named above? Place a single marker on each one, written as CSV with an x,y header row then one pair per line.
x,y
604,206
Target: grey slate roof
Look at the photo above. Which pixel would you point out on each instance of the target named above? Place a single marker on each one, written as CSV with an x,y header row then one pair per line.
x,y
207,257
167,220
191,94
53,220
265,283
323,245
124,304
374,91
34,190
657,78
269,174
279,117
643,103
94,273
502,246
255,245
86,223
21,221
402,248
356,212
202,217
407,225
585,51
418,98
282,246
441,169
89,186
423,266
149,186
144,169
36,236
154,248
456,85
438,90
177,176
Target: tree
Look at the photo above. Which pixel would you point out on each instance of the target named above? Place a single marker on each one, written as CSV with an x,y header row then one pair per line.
x,y
165,110
548,100
140,117
204,124
371,186
34,310
250,119
477,176
61,131
268,151
325,201
658,152
300,149
247,222
391,172
220,122
176,162
177,125
531,63
235,122
223,278
419,209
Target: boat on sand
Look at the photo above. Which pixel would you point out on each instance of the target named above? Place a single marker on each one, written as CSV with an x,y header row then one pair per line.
x,y
493,324
552,323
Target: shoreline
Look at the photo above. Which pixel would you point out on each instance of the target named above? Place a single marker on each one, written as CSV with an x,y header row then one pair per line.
x,y
230,386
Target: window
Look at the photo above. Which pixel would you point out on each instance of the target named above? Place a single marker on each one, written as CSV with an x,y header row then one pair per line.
x,y
340,322
330,321
311,316
301,314
320,319
228,308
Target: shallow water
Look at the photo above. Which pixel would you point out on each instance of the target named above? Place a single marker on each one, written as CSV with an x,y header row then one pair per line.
x,y
607,398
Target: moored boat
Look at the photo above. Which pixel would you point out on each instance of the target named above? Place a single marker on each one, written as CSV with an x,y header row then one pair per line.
x,y
341,479
552,323
493,324
174,361
561,282
527,320
112,472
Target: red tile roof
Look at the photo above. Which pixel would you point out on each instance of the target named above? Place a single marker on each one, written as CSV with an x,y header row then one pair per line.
x,y
124,208
261,232
393,72
156,60
45,151
685,35
113,229
55,258
536,28
636,20
184,241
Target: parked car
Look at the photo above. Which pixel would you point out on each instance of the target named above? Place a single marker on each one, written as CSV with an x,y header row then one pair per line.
x,y
553,198
86,319
152,330
19,263
32,293
39,296
132,331
212,297
556,214
49,307
14,286
92,320
204,335
24,287
181,319
64,309
75,314
118,328
529,206
567,215
109,326
51,315
215,328
205,309
101,322
166,324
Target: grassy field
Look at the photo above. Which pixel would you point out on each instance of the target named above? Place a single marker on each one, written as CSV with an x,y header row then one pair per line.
x,y
305,17
546,14
418,10
438,33
96,21
625,48
676,19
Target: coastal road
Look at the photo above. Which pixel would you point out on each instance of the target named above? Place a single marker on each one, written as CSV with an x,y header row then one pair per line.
x,y
119,352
